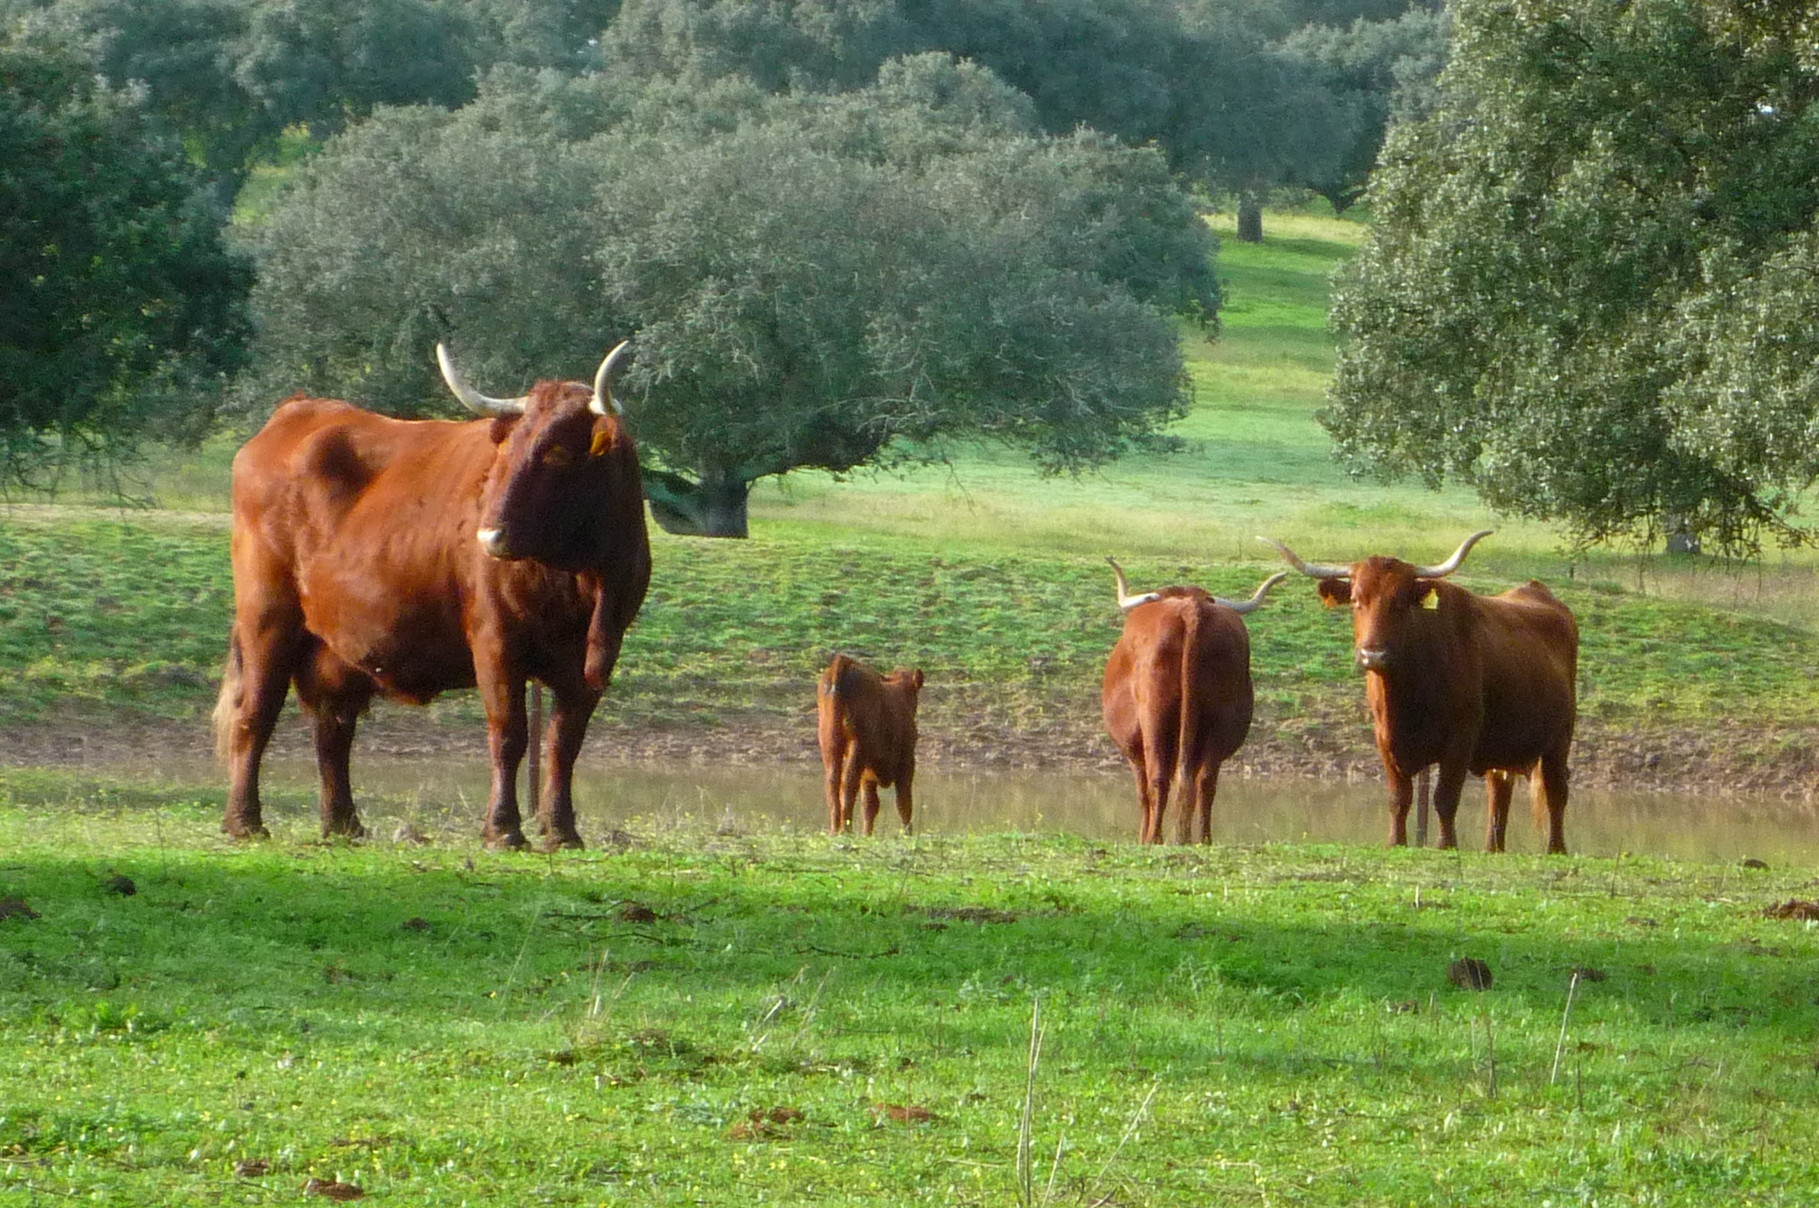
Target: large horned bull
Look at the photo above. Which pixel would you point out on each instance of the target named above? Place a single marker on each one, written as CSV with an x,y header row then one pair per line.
x,y
407,557
1177,697
1478,684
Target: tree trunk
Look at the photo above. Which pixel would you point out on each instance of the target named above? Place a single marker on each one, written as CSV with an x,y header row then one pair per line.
x,y
1250,218
713,507
1681,539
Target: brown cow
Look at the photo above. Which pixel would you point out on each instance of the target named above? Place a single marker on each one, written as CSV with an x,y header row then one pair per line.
x,y
1177,696
405,558
866,724
1479,684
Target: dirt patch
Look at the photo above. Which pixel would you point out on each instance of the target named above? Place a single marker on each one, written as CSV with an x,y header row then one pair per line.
x,y
1778,761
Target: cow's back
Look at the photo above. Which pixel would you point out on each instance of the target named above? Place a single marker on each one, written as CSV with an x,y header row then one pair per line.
x,y
868,717
1146,676
366,525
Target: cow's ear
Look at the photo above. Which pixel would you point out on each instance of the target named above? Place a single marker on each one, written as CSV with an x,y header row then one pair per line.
x,y
1335,592
605,437
916,677
502,428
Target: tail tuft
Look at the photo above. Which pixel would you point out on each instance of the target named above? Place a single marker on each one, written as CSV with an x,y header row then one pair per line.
x,y
227,705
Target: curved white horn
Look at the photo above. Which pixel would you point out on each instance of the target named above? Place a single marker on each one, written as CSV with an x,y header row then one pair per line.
x,y
476,402
603,385
1126,600
1452,564
1251,604
1318,570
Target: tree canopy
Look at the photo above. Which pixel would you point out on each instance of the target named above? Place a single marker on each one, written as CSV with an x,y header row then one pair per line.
x,y
124,307
1590,289
1210,82
803,274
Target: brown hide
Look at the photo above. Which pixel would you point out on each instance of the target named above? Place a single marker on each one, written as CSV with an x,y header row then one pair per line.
x,y
1177,699
866,725
358,570
1480,685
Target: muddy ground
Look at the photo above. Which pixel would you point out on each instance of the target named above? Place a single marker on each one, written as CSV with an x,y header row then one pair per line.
x,y
1778,761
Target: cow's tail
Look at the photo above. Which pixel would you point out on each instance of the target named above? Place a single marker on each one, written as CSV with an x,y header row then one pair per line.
x,y
1185,764
227,705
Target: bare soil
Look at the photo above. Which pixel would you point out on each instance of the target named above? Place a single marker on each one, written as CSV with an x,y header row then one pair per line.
x,y
1671,757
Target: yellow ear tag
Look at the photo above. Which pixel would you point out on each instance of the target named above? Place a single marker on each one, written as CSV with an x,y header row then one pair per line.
x,y
603,440
1431,601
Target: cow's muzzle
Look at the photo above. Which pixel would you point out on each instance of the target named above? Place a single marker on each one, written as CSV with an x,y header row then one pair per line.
x,y
1373,658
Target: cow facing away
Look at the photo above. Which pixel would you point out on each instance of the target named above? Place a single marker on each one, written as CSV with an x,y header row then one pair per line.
x,y
403,558
1484,685
866,725
1177,697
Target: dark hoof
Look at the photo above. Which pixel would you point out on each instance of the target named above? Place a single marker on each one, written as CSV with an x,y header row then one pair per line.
x,y
236,829
570,842
344,830
512,840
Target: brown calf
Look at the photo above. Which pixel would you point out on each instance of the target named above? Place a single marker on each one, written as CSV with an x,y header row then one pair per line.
x,y
866,724
1177,697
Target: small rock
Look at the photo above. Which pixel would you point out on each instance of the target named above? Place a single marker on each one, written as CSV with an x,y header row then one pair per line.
x,y
251,1168
406,833
16,908
1753,862
330,1189
637,912
120,884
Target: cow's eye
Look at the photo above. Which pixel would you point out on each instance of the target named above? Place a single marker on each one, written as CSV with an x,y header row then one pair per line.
x,y
556,455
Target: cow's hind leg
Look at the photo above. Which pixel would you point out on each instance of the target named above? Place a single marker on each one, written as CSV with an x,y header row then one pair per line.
x,y
1499,787
1548,792
833,762
1146,806
569,717
334,694
868,785
853,772
1206,787
1159,765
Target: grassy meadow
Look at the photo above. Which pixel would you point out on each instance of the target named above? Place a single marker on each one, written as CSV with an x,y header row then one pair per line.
x,y
688,1013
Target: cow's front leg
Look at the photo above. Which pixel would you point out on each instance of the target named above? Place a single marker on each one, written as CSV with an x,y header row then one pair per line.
x,y
334,695
906,803
507,737
1402,796
567,728
1449,783
260,661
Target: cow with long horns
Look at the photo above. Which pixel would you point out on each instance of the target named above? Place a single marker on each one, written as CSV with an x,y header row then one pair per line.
x,y
1177,697
403,558
1485,685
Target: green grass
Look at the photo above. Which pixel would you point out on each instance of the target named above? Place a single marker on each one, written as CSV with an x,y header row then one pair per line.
x,y
1233,1026
107,617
